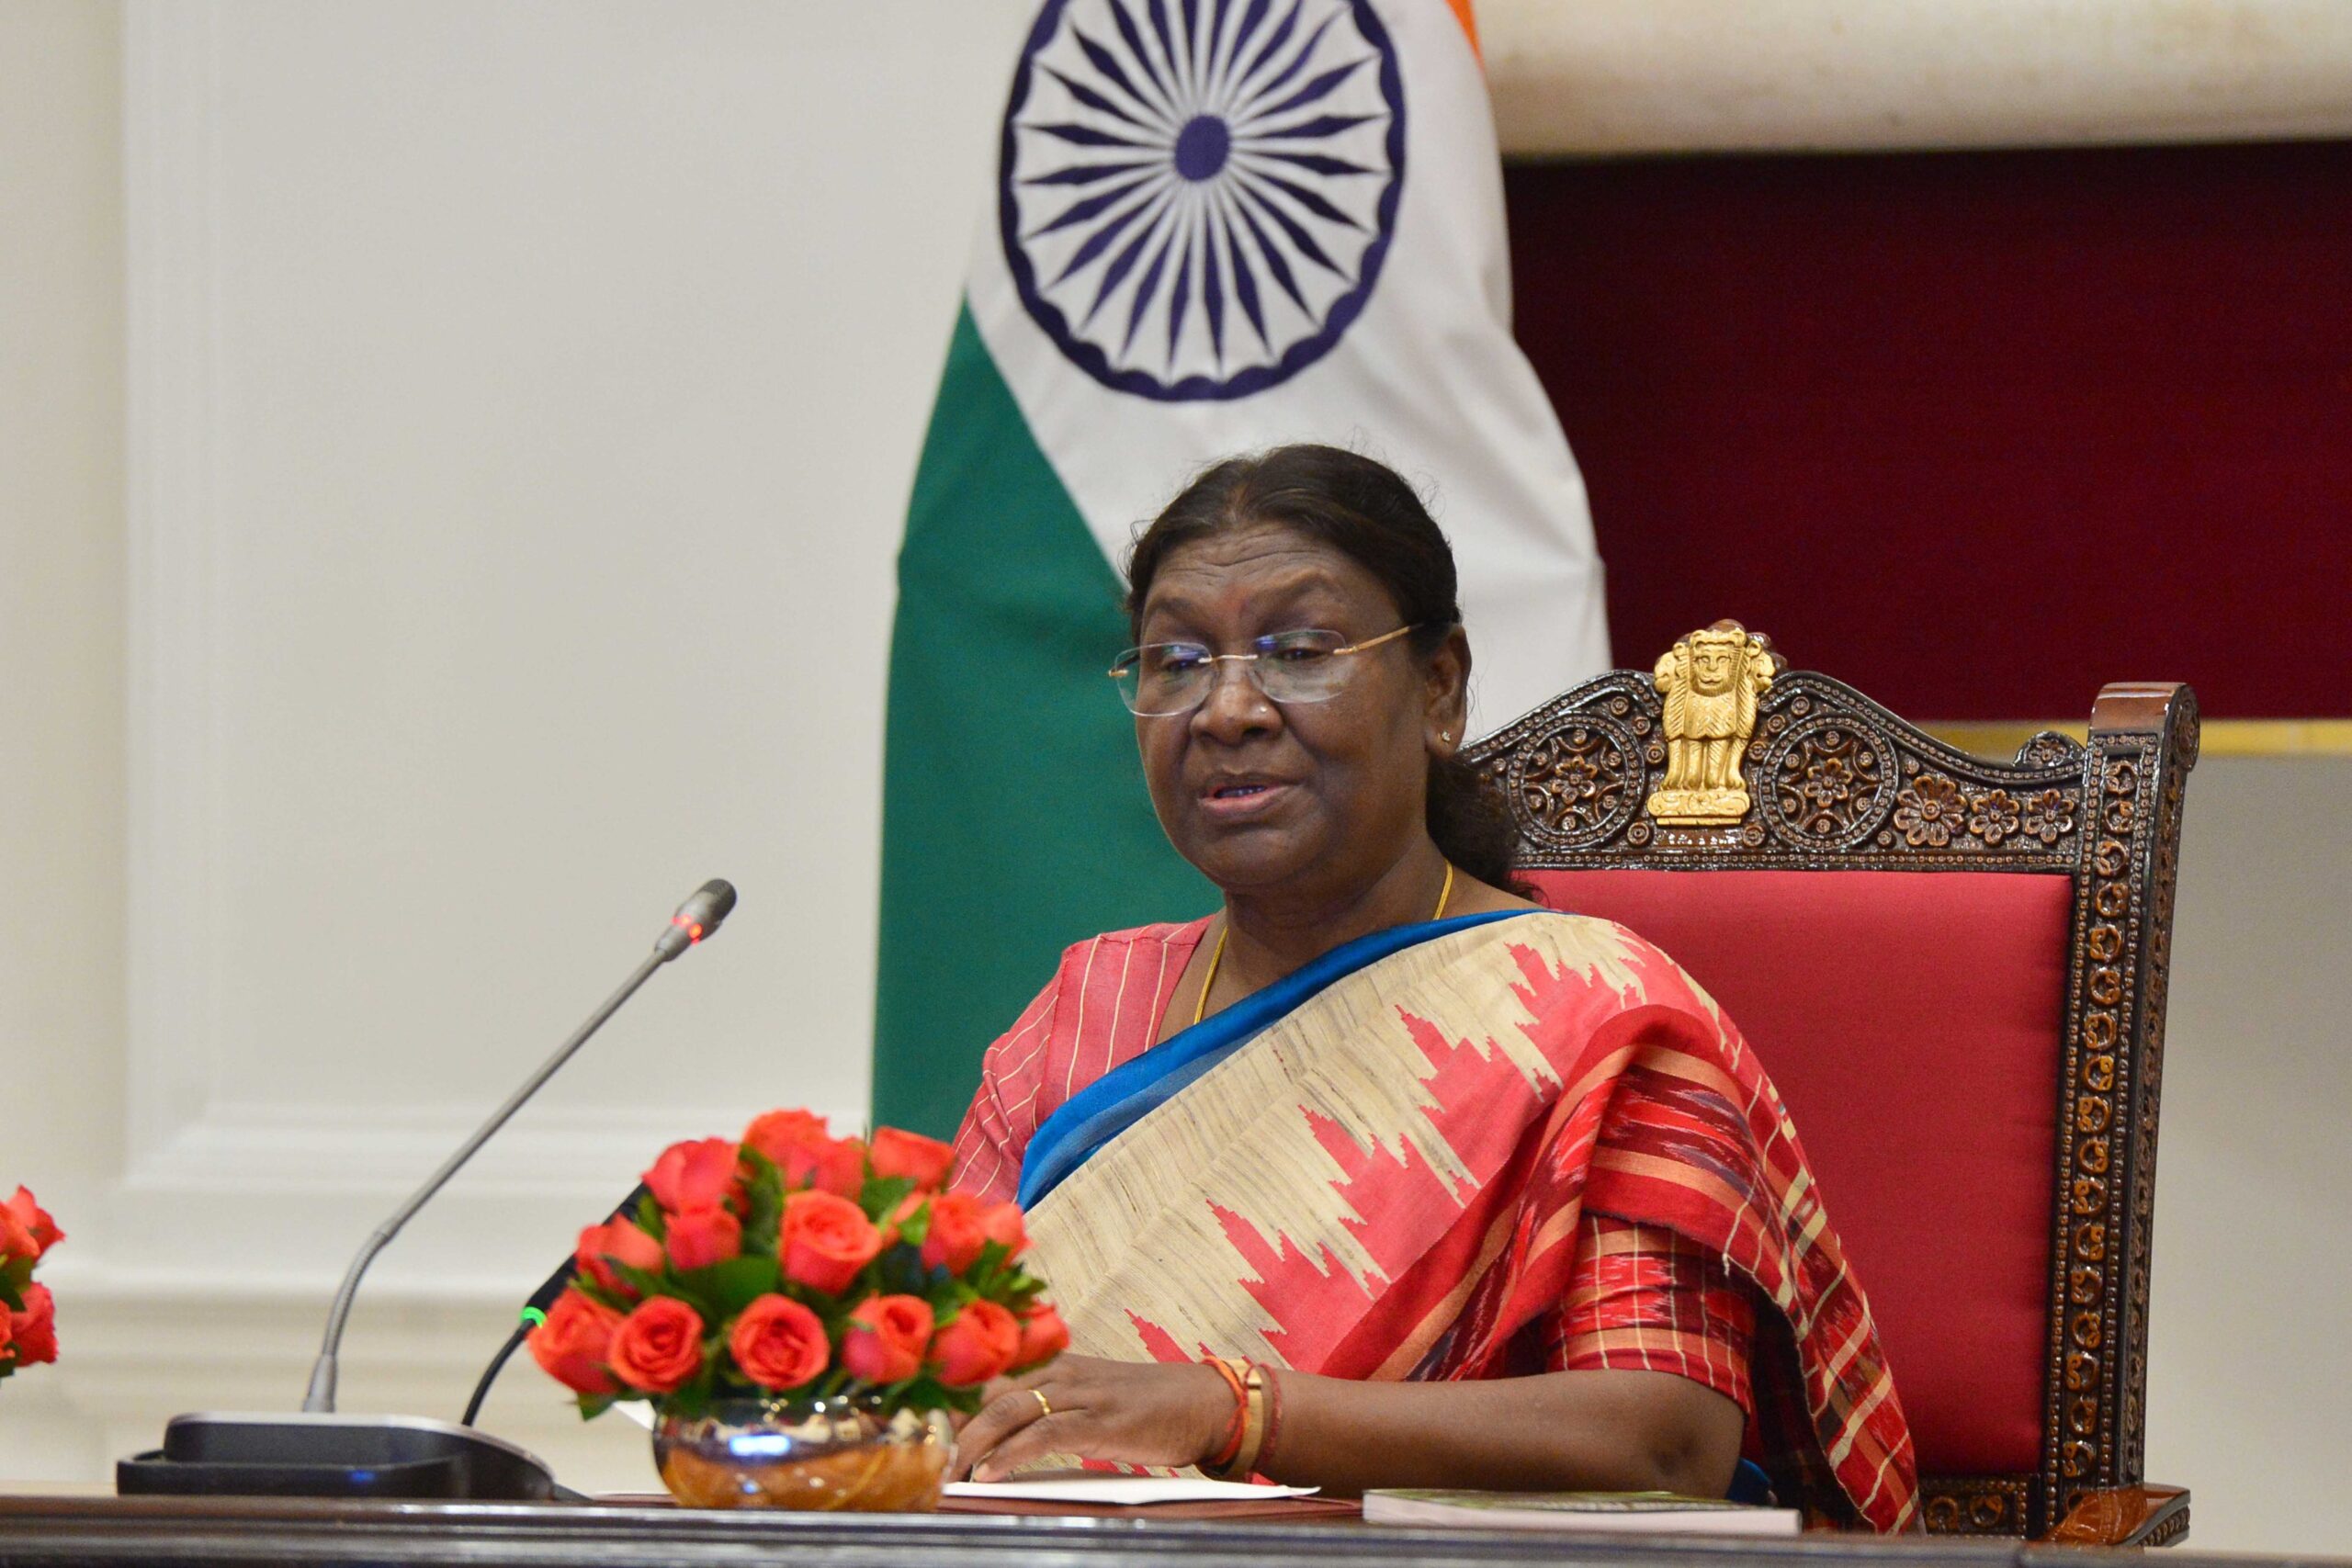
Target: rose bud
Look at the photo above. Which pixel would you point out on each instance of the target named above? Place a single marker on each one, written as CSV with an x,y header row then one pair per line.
x,y
1044,1335
696,1174
615,1241
956,1234
658,1346
34,1330
978,1344
35,1220
778,1343
572,1346
824,1240
923,1160
700,1237
806,1155
887,1339
1001,1222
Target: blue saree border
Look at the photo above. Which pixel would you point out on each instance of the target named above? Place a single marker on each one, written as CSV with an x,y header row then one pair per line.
x,y
1127,1093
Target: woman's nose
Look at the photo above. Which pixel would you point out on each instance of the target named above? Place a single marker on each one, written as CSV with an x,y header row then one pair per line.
x,y
1235,705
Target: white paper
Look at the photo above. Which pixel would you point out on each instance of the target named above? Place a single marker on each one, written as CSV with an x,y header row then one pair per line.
x,y
1128,1491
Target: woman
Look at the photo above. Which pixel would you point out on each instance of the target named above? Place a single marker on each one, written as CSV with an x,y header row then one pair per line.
x,y
1382,1176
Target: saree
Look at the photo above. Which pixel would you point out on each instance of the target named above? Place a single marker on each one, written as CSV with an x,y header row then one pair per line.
x,y
1377,1169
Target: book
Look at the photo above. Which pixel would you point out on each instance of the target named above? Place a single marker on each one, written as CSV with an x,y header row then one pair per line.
x,y
1621,1512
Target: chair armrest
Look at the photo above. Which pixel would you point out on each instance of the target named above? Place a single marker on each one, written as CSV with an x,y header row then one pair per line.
x,y
2125,1516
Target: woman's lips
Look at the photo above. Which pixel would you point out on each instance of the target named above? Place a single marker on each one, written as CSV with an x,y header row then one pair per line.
x,y
1242,802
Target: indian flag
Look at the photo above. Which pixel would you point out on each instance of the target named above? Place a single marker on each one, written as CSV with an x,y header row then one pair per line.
x,y
1218,225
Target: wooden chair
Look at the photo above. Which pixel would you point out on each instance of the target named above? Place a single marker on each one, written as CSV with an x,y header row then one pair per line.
x,y
1954,970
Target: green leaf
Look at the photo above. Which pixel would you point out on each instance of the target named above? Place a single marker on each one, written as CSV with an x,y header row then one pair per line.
x,y
883,1193
739,1281
915,1229
595,1404
764,1204
649,1218
601,1296
680,1287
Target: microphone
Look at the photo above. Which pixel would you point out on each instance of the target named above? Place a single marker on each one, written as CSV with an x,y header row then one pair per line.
x,y
317,1453
698,918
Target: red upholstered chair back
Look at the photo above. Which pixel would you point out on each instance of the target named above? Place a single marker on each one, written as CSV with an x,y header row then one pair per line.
x,y
1954,969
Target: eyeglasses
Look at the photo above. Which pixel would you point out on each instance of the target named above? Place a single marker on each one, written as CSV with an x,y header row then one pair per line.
x,y
1161,680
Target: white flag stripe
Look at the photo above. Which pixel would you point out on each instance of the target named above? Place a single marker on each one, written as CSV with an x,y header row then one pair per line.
x,y
1427,379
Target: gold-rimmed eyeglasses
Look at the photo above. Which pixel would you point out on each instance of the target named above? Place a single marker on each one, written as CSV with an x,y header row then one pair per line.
x,y
1162,680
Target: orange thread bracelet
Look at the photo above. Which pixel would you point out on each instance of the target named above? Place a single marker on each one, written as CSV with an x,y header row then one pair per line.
x,y
1232,1445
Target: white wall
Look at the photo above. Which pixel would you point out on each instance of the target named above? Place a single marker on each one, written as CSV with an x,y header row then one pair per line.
x,y
490,539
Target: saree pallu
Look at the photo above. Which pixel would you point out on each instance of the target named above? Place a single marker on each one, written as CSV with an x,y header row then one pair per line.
x,y
1377,1169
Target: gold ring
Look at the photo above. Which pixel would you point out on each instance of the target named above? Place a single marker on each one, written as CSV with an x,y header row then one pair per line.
x,y
1044,1407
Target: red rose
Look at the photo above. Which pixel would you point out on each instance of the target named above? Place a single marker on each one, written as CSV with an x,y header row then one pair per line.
x,y
956,1234
806,1154
700,1237
35,1328
615,1241
978,1344
572,1345
16,1240
658,1346
1001,1222
778,1343
1044,1335
886,1337
825,1240
37,1225
696,1174
925,1160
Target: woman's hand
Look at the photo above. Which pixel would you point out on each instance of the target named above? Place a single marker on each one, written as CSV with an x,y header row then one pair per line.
x,y
1136,1413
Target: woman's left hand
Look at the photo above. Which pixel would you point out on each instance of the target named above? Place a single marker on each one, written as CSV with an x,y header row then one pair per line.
x,y
1136,1413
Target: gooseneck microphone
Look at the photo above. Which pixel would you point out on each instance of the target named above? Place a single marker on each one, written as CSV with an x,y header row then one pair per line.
x,y
696,919
321,1454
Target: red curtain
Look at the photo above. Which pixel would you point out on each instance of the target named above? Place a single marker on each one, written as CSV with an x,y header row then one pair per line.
x,y
1977,432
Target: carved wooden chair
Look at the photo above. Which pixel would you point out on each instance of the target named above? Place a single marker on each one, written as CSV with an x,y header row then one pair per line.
x,y
1955,970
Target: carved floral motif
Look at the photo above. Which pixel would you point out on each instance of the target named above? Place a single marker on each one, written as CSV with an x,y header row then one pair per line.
x,y
1931,811
2049,816
1993,816
1576,783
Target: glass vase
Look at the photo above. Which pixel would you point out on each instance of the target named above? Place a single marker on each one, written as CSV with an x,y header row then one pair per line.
x,y
811,1453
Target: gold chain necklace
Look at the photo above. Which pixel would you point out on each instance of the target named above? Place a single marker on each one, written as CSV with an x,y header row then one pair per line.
x,y
1217,955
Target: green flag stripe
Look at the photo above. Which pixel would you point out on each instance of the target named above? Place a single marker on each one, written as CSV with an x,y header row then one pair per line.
x,y
1014,820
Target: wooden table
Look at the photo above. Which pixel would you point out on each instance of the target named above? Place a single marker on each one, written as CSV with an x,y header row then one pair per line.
x,y
99,1532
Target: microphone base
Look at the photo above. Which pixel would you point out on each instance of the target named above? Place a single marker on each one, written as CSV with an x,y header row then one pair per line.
x,y
331,1455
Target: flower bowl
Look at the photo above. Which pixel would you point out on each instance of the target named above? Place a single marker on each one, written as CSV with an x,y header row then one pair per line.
x,y
817,1454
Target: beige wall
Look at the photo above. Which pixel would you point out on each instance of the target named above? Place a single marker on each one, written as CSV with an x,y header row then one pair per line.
x,y
437,314
62,484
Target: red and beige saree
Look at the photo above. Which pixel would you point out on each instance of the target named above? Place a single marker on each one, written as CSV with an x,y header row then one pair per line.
x,y
1377,1169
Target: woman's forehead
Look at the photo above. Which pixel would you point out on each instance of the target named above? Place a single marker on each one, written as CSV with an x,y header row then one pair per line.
x,y
1262,567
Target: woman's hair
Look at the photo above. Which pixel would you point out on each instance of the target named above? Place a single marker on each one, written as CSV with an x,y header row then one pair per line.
x,y
1364,510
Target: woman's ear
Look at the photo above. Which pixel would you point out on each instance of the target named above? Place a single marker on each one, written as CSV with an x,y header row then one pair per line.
x,y
1449,694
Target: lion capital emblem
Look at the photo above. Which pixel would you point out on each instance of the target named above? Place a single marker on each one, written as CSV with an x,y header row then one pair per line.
x,y
1708,683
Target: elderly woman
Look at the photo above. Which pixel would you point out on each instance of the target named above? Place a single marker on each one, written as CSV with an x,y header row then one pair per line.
x,y
1384,1176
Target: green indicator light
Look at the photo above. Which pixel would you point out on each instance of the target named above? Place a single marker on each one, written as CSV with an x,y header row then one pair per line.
x,y
534,1317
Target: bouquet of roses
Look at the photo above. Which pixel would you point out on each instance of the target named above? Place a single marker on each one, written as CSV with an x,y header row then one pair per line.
x,y
794,1265
28,1315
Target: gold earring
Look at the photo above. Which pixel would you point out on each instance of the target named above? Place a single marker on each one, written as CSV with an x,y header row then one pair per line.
x,y
1446,736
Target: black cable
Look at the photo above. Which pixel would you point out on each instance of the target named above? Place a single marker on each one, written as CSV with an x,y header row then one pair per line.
x,y
490,1373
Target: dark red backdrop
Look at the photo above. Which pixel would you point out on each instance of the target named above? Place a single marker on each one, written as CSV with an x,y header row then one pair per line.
x,y
1975,431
